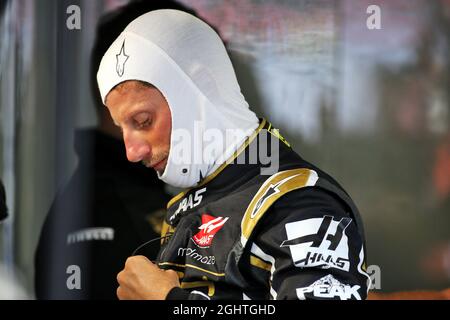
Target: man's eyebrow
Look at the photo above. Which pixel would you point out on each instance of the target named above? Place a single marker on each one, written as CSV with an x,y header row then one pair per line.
x,y
136,109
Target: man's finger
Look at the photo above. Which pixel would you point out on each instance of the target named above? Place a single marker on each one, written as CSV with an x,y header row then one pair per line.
x,y
120,293
119,277
172,273
137,259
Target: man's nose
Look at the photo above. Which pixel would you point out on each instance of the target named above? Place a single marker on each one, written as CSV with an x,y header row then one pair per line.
x,y
136,150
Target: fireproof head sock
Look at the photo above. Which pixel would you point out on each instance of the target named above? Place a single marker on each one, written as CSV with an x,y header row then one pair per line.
x,y
186,60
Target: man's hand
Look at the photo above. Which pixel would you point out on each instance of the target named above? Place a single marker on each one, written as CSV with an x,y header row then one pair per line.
x,y
143,280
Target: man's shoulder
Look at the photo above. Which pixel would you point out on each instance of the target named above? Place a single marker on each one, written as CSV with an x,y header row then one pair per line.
x,y
294,181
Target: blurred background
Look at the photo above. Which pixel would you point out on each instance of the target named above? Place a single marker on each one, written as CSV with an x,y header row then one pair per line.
x,y
370,106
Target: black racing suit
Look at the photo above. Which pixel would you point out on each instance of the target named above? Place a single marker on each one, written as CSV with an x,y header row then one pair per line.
x,y
245,234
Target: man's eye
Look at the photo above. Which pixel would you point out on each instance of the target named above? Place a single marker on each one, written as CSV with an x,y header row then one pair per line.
x,y
143,124
142,121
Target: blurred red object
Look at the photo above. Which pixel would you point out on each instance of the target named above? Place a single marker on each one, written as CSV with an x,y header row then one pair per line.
x,y
441,169
436,263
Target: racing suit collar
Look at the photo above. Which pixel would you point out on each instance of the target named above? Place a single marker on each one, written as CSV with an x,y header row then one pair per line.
x,y
229,171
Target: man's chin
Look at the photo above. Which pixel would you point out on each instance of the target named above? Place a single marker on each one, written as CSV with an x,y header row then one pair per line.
x,y
146,164
160,167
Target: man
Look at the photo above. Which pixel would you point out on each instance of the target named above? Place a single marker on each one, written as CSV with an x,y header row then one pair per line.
x,y
258,221
109,207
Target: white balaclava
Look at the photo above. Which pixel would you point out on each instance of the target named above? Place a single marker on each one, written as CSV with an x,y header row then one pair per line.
x,y
186,60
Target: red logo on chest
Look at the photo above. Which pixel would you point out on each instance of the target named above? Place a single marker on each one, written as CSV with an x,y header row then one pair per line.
x,y
210,226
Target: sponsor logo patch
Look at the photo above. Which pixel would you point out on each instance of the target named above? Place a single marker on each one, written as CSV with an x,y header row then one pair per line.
x,y
121,58
210,226
319,242
272,190
188,203
329,288
194,255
